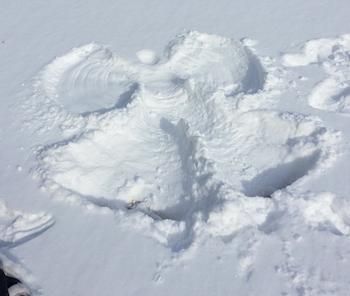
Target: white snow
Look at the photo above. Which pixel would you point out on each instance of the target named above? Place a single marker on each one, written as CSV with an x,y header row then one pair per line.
x,y
147,56
142,158
332,93
17,227
179,149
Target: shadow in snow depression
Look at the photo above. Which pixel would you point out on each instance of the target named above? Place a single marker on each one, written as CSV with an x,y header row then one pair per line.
x,y
274,179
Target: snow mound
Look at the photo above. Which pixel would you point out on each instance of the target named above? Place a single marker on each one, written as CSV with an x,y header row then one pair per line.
x,y
147,56
333,55
318,211
17,227
163,146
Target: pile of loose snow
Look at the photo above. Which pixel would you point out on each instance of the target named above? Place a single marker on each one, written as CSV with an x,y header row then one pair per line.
x,y
333,55
170,145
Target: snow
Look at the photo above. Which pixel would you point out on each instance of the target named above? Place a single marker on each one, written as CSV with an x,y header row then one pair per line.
x,y
147,56
17,227
179,149
175,148
332,93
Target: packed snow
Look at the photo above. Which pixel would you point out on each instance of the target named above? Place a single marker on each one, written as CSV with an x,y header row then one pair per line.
x,y
206,161
17,227
176,150
333,55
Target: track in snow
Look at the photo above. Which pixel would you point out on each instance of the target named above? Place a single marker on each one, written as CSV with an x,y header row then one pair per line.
x,y
165,143
17,227
333,55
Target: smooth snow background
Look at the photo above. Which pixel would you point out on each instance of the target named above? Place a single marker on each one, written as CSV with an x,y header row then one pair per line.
x,y
88,254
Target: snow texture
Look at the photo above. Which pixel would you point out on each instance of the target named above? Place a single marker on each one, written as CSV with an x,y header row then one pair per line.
x,y
168,143
207,165
333,55
17,227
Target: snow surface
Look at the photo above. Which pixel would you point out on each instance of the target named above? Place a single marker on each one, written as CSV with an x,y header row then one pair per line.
x,y
333,93
142,158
